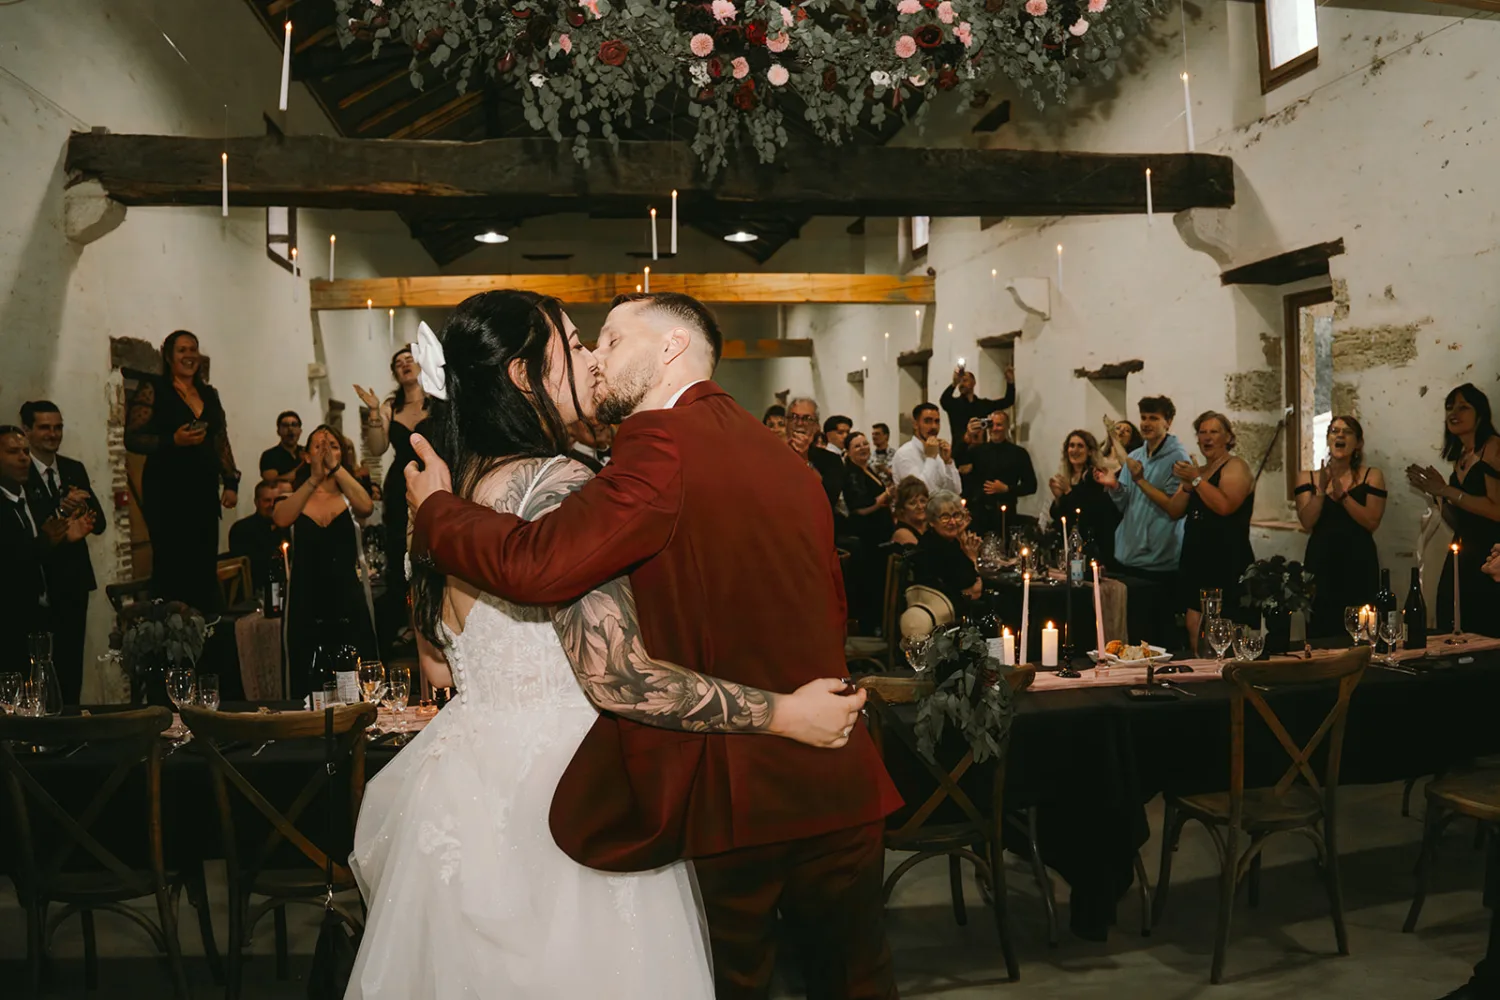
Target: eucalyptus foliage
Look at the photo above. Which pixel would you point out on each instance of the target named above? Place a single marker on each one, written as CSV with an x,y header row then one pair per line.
x,y
970,692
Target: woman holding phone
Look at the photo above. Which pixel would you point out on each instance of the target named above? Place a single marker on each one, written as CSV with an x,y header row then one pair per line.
x,y
177,422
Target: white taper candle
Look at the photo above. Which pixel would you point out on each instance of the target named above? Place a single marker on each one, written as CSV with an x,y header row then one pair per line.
x,y
1187,106
224,184
333,242
286,66
674,222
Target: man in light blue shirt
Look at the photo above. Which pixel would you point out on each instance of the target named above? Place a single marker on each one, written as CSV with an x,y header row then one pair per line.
x,y
1148,541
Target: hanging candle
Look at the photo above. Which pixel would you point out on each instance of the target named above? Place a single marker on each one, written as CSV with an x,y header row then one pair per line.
x,y
653,234
332,246
1059,268
1150,206
1187,106
391,326
224,184
674,223
369,319
294,273
647,281
286,65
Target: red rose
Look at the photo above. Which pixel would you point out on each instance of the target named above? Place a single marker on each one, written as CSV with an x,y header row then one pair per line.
x,y
715,68
830,79
947,79
505,63
521,13
744,98
928,36
576,17
613,52
705,95
930,4
801,14
755,33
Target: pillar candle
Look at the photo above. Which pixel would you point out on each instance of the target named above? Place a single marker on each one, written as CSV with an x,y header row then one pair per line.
x,y
332,245
1049,645
1187,104
653,234
674,223
1098,611
286,65
224,184
1007,648
1458,627
1023,653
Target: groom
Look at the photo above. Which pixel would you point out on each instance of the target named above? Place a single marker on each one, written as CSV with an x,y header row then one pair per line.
x,y
728,541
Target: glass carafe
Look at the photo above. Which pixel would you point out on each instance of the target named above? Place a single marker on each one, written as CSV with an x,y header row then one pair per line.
x,y
1210,606
44,680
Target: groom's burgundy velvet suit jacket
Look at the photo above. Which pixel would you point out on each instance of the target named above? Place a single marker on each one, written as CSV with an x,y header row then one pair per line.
x,y
728,540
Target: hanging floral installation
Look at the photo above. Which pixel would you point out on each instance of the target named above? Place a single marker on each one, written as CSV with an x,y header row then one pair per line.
x,y
588,68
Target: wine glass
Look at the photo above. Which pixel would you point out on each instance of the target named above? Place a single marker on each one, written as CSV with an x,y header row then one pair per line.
x,y
914,647
1220,635
10,692
208,692
180,685
372,679
1354,624
1391,630
1248,642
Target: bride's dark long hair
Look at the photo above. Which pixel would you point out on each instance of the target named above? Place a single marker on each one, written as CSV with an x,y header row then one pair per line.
x,y
488,420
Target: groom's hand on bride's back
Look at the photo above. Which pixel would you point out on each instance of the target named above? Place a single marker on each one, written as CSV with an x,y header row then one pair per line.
x,y
821,713
432,477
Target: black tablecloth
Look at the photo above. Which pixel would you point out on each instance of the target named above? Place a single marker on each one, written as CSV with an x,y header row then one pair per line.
x,y
1049,602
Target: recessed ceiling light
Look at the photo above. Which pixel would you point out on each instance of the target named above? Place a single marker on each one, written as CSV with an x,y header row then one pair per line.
x,y
492,237
740,236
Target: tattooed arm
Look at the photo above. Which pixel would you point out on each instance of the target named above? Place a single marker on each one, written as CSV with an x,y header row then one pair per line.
x,y
601,635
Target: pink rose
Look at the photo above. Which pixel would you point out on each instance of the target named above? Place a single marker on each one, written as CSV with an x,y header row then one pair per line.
x,y
724,11
593,7
1097,6
1036,8
777,75
740,68
945,12
1079,28
909,7
906,47
786,17
701,45
778,43
565,43
964,33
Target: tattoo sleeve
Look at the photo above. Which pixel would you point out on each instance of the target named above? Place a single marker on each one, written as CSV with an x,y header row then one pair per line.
x,y
601,635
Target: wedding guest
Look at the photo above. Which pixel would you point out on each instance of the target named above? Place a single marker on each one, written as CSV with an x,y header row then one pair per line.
x,y
802,416
390,425
280,462
1002,473
882,455
775,419
257,537
910,509
325,599
60,486
1215,499
1470,501
974,435
177,422
945,558
1340,506
1121,437
927,456
1148,542
836,434
962,405
1077,494
869,501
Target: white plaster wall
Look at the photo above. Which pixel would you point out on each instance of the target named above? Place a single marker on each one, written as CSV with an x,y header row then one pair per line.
x,y
1390,144
74,64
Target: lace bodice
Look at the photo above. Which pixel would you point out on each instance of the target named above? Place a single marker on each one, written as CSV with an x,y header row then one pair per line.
x,y
508,657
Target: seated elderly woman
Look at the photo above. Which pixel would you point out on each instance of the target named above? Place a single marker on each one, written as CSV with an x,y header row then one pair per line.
x,y
910,512
945,557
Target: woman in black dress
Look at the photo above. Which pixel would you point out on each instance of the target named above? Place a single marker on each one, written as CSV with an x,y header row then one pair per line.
x,y
1341,506
869,503
1216,498
910,512
178,423
326,600
1471,505
945,557
390,425
1079,497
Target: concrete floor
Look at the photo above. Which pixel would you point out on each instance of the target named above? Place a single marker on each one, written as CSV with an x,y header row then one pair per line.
x,y
1284,949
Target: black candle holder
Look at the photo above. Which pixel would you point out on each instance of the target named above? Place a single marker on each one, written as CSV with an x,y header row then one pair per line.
x,y
1065,654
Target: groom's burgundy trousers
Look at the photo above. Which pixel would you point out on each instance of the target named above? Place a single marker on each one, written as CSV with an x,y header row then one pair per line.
x,y
728,539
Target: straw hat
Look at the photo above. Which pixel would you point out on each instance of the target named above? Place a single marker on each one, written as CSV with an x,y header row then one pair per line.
x,y
926,609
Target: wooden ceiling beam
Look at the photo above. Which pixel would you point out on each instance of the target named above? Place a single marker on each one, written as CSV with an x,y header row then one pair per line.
x,y
438,291
403,72
441,118
538,176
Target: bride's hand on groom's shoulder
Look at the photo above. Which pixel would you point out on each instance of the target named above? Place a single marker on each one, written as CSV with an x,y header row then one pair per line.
x,y
821,713
432,477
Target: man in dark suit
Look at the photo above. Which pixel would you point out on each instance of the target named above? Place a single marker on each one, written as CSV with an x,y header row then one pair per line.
x,y
735,574
60,486
256,537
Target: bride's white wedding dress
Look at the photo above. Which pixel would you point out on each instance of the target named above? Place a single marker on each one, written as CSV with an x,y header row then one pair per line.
x,y
468,895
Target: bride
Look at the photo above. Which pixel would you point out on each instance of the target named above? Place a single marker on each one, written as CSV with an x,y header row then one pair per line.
x,y
468,895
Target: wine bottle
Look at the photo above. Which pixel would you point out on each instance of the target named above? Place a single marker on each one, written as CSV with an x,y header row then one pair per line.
x,y
1385,604
1415,613
1075,554
276,584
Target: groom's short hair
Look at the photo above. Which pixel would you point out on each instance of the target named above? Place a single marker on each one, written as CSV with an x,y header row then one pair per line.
x,y
684,309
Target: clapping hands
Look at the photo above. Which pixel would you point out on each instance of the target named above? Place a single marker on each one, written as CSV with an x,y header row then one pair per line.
x,y
1427,479
1185,470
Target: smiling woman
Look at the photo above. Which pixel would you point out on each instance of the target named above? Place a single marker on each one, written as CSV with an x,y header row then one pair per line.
x,y
1341,504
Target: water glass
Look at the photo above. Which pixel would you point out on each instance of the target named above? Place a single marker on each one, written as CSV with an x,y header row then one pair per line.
x,y
1392,630
10,692
208,692
1248,643
372,679
1220,635
398,689
31,701
1354,624
180,685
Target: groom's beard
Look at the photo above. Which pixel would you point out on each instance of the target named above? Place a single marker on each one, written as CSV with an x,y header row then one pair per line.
x,y
617,397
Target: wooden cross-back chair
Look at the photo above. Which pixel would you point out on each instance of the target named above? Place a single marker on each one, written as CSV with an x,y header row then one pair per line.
x,y
47,865
235,585
250,850
1300,802
963,839
879,653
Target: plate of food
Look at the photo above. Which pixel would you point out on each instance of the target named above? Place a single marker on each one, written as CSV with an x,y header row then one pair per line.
x,y
1118,651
